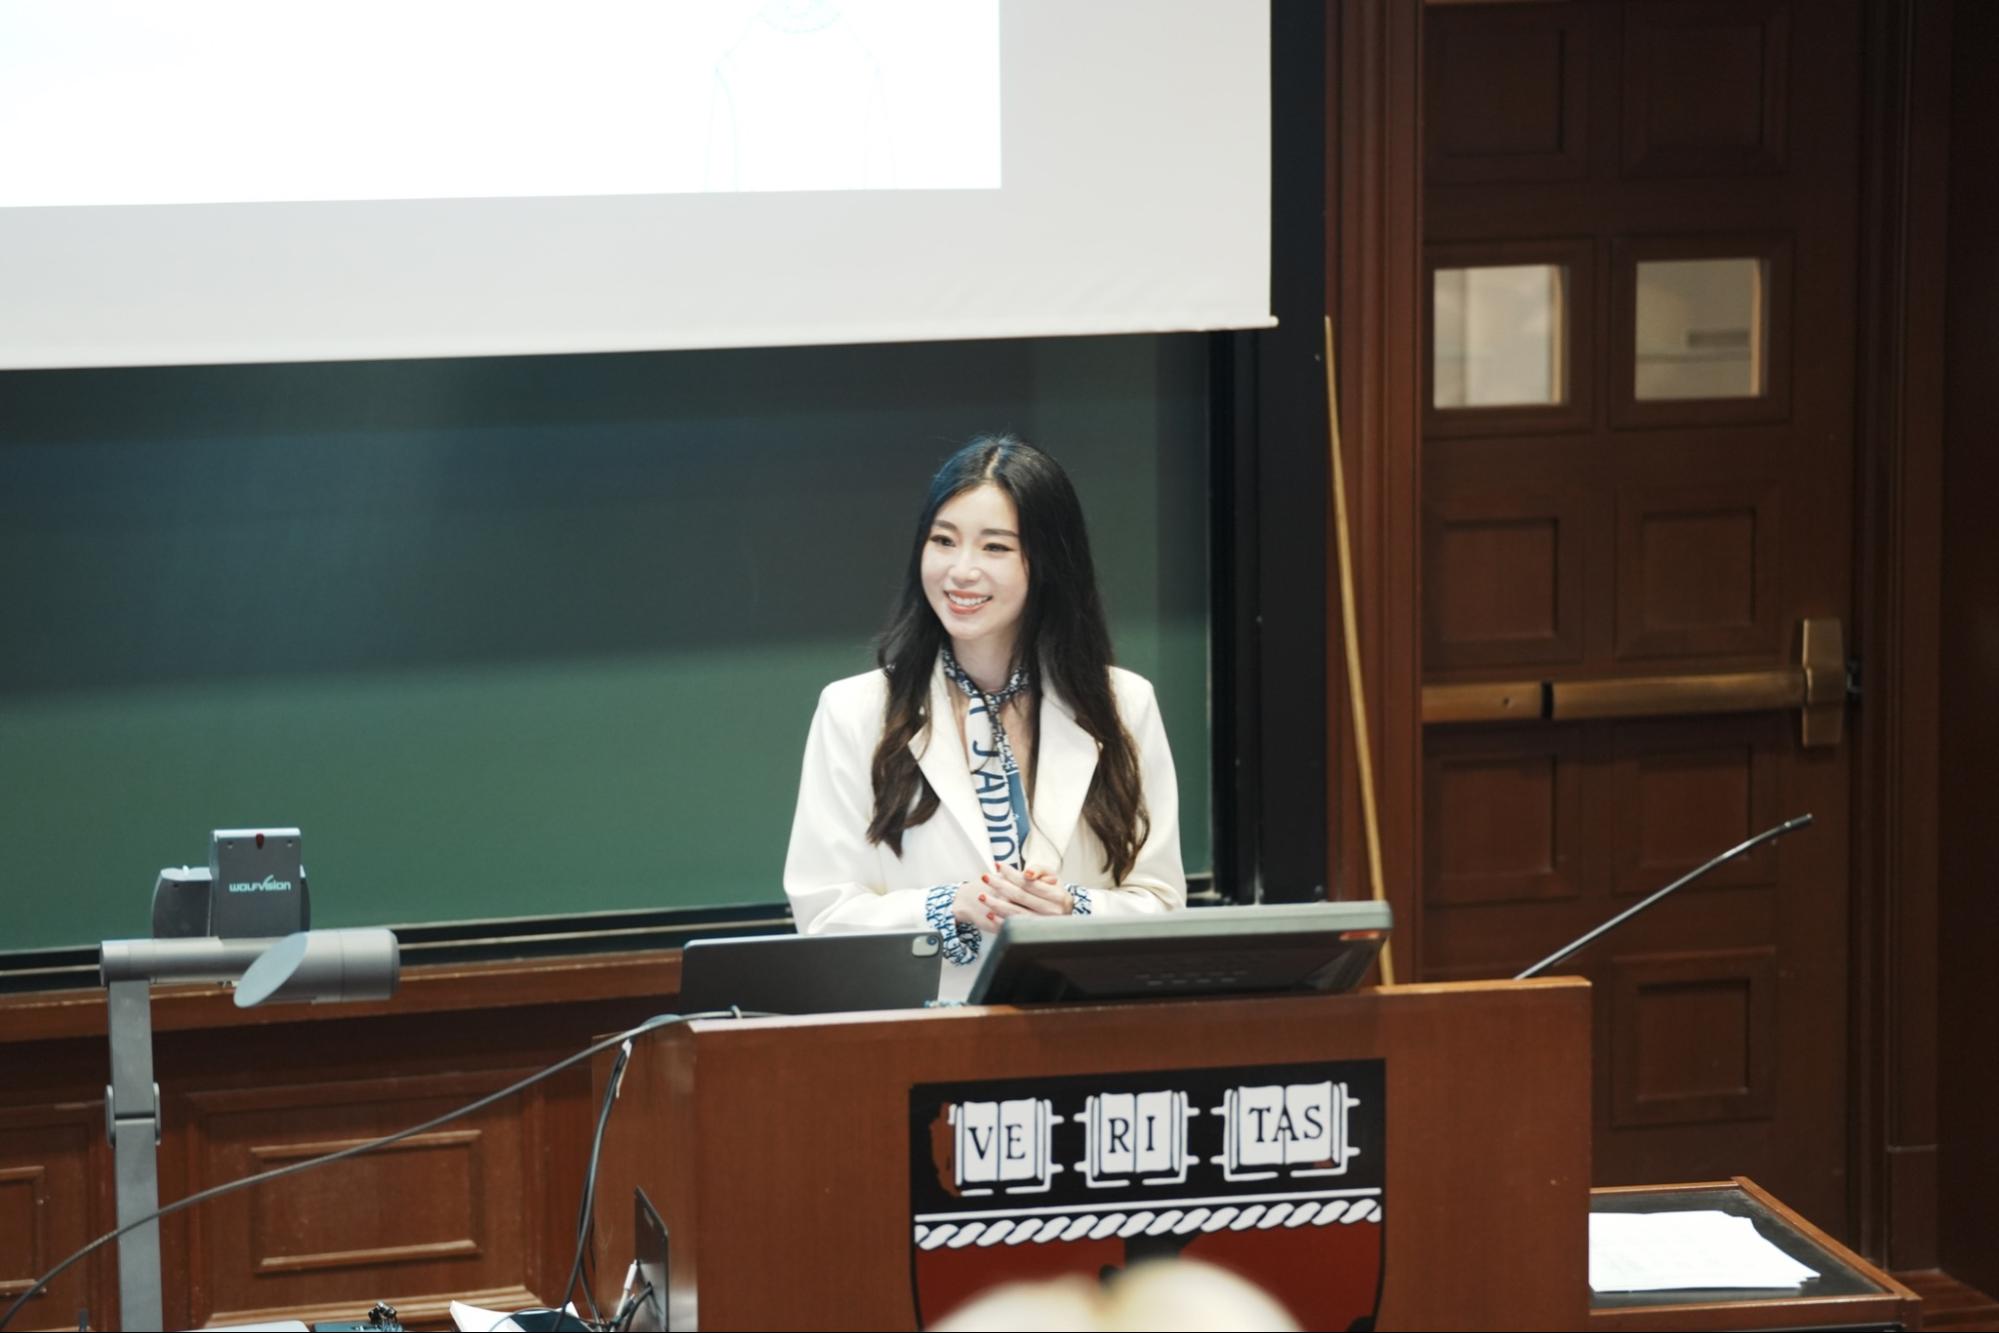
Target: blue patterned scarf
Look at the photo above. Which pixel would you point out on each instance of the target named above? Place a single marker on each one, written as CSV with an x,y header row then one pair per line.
x,y
996,776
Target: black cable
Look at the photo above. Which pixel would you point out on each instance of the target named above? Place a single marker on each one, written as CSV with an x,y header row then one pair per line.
x,y
230,1187
590,1269
559,1319
588,1221
586,1209
590,1252
623,1319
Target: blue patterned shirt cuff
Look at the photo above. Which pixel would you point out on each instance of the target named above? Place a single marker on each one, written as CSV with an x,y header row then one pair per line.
x,y
1079,899
961,942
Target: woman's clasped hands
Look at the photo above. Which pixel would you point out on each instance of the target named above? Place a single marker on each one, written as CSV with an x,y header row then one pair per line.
x,y
1004,891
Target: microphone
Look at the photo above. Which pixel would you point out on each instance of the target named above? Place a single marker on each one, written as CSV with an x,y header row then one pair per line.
x,y
1583,941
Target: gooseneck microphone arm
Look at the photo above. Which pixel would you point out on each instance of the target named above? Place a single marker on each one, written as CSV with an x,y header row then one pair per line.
x,y
1582,942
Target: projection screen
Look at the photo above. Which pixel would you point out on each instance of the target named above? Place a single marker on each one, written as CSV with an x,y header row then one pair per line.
x,y
197,181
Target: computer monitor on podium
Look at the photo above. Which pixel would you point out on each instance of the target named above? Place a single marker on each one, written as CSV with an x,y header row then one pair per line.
x,y
1292,948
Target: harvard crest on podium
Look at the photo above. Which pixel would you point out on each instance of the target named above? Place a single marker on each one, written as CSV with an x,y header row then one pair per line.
x,y
1273,1171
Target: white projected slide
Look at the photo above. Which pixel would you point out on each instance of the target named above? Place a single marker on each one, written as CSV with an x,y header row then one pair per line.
x,y
270,101
212,181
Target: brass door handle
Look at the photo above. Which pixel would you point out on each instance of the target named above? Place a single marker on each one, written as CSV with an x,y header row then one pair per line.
x,y
1815,685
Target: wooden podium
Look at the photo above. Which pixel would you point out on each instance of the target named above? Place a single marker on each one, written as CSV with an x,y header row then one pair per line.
x,y
1426,1146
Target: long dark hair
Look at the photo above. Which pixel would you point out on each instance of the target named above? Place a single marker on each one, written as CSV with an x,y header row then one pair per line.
x,y
1062,640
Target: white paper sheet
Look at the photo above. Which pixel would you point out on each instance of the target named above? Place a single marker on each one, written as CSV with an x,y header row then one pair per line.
x,y
1673,1251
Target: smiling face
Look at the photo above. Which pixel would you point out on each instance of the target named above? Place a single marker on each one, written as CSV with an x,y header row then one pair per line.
x,y
975,577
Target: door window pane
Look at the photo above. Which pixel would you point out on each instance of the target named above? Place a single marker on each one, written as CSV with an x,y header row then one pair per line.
x,y
1497,336
1703,330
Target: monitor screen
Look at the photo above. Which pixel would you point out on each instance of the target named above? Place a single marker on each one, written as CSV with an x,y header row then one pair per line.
x,y
811,974
1298,947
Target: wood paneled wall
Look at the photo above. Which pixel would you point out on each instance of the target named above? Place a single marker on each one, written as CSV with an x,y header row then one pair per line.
x,y
1372,291
1900,406
1968,694
1631,514
482,1209
1924,922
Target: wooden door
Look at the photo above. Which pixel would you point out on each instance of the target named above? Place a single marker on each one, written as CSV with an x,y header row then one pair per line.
x,y
1638,456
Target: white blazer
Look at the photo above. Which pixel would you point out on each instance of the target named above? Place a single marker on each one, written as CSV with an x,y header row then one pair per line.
x,y
837,880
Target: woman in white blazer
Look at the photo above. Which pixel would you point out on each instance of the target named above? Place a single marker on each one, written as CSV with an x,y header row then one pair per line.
x,y
996,764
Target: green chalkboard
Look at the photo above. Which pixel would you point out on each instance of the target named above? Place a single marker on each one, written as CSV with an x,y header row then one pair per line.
x,y
520,636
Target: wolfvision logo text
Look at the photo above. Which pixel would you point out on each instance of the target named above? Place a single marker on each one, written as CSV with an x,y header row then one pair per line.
x,y
268,884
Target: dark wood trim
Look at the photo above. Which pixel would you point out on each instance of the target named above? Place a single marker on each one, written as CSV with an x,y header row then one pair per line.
x,y
1374,293
72,1014
1234,717
1949,1303
1899,450
1286,538
1569,161
1966,920
504,939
